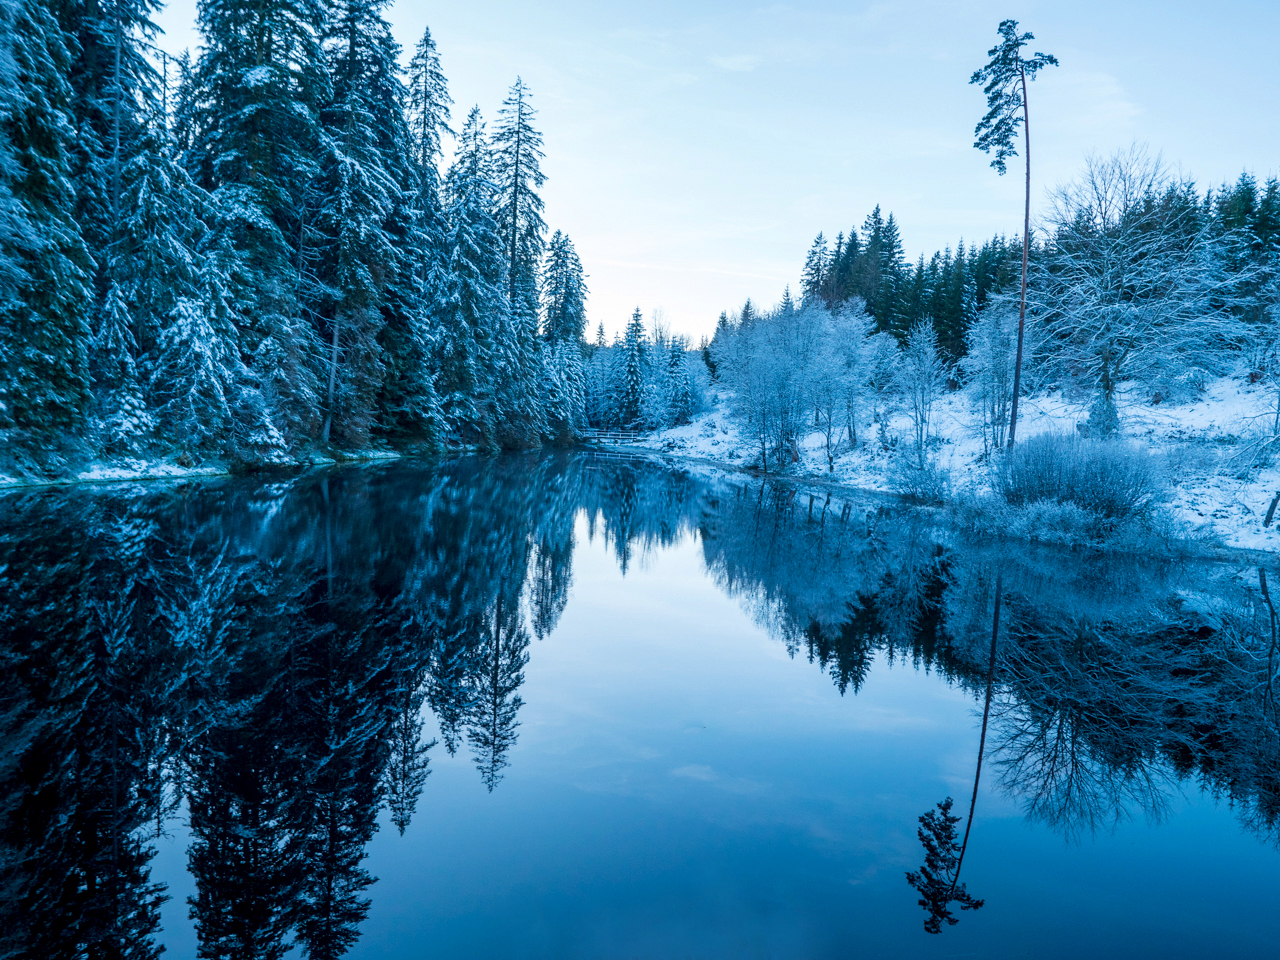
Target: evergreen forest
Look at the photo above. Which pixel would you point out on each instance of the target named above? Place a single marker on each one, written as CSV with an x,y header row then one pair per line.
x,y
256,254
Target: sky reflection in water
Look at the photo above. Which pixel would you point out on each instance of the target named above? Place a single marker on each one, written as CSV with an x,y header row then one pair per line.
x,y
682,776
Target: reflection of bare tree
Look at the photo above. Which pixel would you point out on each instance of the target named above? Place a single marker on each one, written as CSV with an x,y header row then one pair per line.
x,y
1068,779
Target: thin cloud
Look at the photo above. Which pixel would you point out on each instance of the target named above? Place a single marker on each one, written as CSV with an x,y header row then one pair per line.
x,y
741,63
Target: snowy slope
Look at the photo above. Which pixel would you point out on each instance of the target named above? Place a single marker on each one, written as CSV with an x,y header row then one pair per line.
x,y
1209,447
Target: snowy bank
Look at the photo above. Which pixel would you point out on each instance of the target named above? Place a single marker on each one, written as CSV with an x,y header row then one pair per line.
x,y
127,470
1208,445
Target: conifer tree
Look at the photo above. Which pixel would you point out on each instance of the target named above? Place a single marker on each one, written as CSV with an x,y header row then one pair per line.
x,y
517,171
409,404
155,258
517,368
44,329
565,390
679,385
517,358
787,305
114,88
632,373
366,166
122,418
1005,79
814,278
207,398
563,293
254,140
474,303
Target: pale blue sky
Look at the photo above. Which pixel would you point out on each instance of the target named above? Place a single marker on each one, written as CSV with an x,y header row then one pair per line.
x,y
694,149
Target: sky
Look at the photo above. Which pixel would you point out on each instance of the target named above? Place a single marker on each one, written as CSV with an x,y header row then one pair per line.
x,y
694,149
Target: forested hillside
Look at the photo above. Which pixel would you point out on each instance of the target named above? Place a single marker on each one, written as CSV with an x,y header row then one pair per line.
x,y
1142,286
255,254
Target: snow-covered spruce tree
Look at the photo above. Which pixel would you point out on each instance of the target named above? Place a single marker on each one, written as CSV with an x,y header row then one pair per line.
x,y
1131,288
565,399
597,382
517,173
253,139
474,304
161,229
114,92
44,266
518,176
564,293
409,406
364,170
631,373
680,399
208,402
121,419
517,371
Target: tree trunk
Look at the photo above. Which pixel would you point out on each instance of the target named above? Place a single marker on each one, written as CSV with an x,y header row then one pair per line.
x,y
986,715
333,380
1026,251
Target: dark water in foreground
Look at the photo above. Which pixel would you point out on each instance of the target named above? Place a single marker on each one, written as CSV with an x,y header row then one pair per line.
x,y
566,707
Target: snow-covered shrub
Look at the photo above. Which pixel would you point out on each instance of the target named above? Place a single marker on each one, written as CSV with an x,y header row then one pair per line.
x,y
922,378
921,482
791,369
1109,478
988,372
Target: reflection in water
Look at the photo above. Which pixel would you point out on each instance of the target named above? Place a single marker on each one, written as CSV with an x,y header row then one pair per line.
x,y
262,653
938,880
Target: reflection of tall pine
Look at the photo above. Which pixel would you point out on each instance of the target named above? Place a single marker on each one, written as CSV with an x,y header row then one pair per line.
x,y
502,657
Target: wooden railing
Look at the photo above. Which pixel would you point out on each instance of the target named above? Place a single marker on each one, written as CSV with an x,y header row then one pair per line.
x,y
613,436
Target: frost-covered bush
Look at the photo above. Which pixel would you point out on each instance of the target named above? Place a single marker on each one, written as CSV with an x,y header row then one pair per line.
x,y
922,378
921,482
796,369
988,372
1109,478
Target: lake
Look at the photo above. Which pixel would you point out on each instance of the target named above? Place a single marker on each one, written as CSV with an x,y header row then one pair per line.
x,y
567,705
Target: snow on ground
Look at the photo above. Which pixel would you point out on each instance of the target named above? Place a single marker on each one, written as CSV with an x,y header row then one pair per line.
x,y
127,470
1208,445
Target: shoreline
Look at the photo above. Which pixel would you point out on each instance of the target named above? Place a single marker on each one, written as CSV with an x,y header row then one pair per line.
x,y
163,471
1216,553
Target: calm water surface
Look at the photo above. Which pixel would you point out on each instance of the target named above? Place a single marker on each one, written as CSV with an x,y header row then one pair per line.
x,y
562,706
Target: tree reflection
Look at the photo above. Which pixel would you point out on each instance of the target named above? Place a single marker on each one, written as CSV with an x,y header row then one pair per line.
x,y
282,657
938,881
